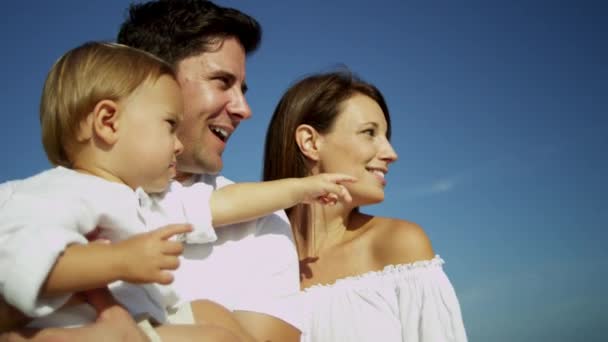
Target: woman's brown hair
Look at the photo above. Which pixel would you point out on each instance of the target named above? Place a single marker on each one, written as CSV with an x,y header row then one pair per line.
x,y
317,101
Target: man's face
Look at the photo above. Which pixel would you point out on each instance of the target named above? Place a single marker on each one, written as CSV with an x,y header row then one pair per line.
x,y
213,87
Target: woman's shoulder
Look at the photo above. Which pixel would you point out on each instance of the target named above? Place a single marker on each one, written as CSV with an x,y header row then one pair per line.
x,y
397,241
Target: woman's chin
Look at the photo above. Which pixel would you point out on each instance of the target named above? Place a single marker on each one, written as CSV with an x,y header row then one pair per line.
x,y
367,199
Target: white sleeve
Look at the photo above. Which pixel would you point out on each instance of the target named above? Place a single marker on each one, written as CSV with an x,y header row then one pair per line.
x,y
33,232
197,211
6,191
428,307
275,290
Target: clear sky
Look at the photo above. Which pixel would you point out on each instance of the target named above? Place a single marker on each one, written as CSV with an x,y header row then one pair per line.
x,y
500,119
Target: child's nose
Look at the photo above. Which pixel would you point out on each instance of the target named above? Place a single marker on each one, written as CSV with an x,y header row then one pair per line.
x,y
179,147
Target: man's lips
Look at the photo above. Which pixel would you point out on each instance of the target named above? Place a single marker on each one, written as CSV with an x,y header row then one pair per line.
x,y
222,132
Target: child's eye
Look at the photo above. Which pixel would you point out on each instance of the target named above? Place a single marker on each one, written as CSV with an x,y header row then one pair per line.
x,y
172,123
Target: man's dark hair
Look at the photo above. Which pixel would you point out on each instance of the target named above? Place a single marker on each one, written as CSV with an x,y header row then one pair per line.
x,y
177,29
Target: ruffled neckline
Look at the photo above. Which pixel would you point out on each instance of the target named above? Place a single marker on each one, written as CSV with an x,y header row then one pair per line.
x,y
387,271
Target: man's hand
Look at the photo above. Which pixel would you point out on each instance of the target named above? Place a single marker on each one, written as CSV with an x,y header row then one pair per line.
x,y
149,257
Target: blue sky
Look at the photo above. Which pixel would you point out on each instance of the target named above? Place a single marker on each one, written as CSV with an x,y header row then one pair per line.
x,y
500,119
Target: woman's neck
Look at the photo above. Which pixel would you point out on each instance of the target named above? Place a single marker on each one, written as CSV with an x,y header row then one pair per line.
x,y
324,228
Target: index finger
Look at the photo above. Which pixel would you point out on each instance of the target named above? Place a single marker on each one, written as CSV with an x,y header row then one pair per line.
x,y
167,232
339,178
345,194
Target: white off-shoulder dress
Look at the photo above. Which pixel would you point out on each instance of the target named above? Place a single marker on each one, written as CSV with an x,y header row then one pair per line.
x,y
401,303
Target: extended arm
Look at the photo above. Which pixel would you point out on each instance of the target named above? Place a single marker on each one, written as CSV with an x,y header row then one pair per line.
x,y
247,201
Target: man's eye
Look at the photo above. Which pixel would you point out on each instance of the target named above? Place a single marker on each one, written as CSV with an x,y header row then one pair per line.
x,y
224,81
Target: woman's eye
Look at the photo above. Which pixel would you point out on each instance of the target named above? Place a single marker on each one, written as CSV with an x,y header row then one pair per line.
x,y
370,132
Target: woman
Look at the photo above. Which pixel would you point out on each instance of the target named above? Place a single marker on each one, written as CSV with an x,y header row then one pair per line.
x,y
364,278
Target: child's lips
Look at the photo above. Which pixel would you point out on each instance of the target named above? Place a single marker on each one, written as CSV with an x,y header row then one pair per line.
x,y
172,170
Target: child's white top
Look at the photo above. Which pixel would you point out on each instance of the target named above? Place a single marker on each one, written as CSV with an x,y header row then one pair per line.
x,y
401,303
43,214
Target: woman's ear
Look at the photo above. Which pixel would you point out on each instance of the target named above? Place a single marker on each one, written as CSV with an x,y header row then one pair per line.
x,y
105,121
309,141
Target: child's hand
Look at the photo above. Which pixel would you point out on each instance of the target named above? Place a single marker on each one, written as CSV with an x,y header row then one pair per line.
x,y
325,188
149,257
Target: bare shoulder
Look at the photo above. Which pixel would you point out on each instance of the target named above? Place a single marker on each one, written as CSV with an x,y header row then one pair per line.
x,y
399,242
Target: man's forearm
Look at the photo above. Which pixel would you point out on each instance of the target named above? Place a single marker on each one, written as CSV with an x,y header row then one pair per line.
x,y
266,328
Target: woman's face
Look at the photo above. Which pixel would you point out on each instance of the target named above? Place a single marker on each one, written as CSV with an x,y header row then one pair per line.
x,y
357,145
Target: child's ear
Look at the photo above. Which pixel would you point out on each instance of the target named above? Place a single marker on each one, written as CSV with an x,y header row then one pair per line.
x,y
105,121
309,141
85,129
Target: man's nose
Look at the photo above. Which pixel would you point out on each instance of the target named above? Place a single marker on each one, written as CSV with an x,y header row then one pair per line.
x,y
238,106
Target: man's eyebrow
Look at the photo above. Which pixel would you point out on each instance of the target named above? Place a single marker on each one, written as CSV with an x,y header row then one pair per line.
x,y
230,77
222,73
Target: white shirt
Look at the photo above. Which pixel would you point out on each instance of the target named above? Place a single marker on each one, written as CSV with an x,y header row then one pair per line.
x,y
402,303
252,266
40,216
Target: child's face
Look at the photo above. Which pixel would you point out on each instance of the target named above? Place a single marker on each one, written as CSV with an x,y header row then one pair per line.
x,y
148,144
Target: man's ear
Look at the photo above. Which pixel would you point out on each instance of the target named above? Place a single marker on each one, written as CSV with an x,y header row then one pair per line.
x,y
309,141
105,121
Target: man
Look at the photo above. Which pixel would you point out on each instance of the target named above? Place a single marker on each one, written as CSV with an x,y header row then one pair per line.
x,y
252,268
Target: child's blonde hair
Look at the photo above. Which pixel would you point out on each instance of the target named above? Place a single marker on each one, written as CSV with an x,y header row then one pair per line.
x,y
81,78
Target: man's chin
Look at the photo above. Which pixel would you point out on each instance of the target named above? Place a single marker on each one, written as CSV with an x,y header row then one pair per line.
x,y
209,167
200,162
184,172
